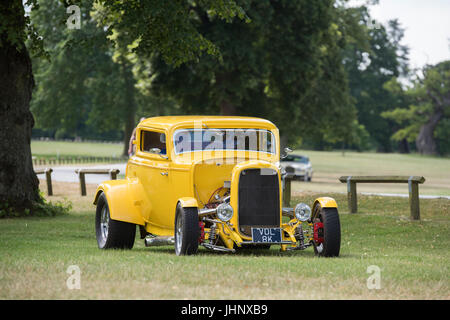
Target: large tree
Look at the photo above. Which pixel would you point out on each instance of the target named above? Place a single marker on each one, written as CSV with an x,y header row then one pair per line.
x,y
434,100
18,182
428,105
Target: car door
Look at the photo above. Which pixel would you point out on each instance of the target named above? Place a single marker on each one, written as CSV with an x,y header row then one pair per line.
x,y
153,171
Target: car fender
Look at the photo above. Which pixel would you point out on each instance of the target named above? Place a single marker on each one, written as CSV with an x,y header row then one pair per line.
x,y
325,202
126,200
188,202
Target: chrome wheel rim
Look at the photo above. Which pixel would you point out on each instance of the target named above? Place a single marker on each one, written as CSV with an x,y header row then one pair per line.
x,y
104,222
178,235
319,248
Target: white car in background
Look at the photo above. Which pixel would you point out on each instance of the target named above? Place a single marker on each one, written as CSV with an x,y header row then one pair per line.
x,y
300,166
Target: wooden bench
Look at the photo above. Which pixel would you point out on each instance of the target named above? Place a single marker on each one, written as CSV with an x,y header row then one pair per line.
x,y
413,187
82,176
48,176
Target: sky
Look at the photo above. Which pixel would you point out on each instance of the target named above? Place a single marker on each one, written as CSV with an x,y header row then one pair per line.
x,y
426,24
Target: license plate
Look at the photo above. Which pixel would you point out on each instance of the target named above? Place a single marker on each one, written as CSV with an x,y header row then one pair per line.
x,y
266,235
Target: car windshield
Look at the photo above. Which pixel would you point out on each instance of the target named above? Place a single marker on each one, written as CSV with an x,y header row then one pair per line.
x,y
296,159
187,140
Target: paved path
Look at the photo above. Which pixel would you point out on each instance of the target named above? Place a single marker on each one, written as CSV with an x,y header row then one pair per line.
x,y
67,174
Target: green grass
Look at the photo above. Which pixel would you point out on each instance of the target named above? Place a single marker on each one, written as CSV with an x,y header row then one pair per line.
x,y
329,166
63,148
413,257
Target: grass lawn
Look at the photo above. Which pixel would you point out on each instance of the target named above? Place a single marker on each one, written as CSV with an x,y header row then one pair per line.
x,y
413,258
329,166
63,148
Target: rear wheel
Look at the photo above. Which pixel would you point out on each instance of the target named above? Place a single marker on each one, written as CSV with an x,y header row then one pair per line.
x,y
327,231
187,231
112,234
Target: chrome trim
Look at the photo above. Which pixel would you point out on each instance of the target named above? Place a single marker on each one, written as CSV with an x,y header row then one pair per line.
x,y
104,223
159,241
306,245
282,242
206,212
288,212
213,220
217,248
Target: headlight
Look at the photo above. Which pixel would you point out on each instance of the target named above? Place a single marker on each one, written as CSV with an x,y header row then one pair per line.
x,y
302,211
225,211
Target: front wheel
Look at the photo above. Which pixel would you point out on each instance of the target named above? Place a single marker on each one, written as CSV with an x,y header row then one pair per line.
x,y
327,231
112,234
187,231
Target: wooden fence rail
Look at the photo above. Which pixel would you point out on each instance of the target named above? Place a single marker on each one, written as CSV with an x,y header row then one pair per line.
x,y
413,187
48,176
82,176
43,161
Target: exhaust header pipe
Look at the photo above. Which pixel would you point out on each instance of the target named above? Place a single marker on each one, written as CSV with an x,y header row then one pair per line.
x,y
159,241
208,212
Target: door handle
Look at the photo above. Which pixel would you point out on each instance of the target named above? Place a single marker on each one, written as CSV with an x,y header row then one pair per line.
x,y
164,173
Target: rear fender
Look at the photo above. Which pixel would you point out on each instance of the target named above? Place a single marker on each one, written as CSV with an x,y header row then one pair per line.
x,y
125,202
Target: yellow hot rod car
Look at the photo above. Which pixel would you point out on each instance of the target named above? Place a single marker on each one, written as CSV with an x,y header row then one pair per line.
x,y
210,181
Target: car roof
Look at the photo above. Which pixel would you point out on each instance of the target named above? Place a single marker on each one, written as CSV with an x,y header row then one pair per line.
x,y
168,122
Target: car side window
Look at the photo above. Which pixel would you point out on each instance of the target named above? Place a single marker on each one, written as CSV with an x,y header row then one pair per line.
x,y
153,141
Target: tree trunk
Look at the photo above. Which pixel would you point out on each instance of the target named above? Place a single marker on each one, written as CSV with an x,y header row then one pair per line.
x,y
129,107
425,142
227,109
19,186
403,146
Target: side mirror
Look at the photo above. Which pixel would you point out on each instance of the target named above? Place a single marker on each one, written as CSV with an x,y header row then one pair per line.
x,y
286,152
158,152
155,150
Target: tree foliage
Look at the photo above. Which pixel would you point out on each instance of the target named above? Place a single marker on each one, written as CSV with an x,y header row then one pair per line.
x,y
427,107
370,64
277,67
165,27
79,87
320,70
88,87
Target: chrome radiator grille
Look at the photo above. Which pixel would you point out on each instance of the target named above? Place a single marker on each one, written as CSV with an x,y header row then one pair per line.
x,y
258,199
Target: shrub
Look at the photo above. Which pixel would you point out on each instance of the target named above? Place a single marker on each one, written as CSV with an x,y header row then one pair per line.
x,y
41,208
